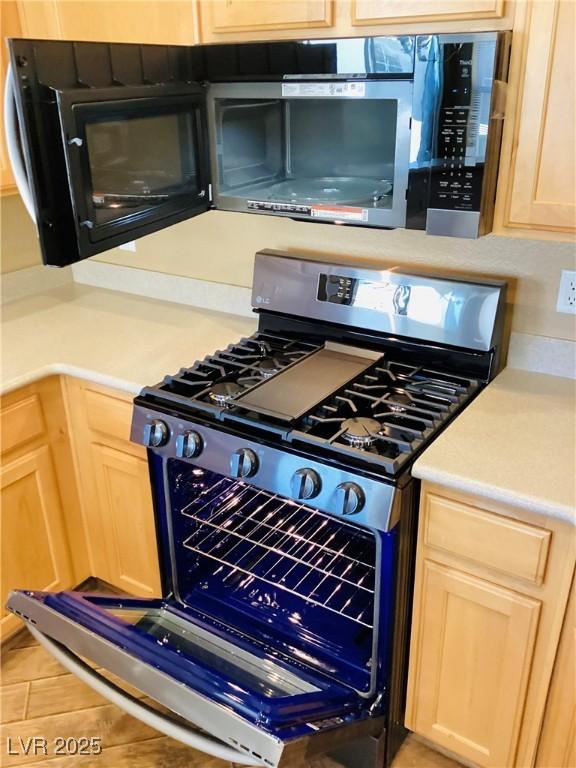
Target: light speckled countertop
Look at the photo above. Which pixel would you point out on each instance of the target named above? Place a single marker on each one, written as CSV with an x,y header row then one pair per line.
x,y
515,443
108,337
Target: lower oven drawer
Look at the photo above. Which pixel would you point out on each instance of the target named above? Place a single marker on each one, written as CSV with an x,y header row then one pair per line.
x,y
248,699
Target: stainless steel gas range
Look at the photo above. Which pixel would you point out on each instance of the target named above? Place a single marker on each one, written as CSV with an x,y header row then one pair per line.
x,y
286,512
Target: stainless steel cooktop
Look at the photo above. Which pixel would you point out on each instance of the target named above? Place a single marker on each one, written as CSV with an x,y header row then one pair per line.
x,y
321,397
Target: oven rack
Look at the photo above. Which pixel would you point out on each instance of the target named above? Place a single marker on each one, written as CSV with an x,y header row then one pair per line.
x,y
269,539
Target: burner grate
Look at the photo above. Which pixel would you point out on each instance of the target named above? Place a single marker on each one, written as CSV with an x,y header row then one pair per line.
x,y
243,365
385,415
266,538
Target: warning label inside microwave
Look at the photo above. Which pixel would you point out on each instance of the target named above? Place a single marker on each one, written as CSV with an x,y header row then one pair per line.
x,y
336,89
339,212
332,212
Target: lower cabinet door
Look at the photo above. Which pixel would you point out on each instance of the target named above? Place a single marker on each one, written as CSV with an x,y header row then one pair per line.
x,y
557,746
125,506
34,548
471,654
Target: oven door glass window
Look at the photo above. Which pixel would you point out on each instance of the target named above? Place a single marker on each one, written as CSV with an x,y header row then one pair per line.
x,y
168,628
136,164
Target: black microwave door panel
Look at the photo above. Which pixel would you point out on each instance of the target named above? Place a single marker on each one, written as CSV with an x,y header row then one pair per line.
x,y
60,88
136,159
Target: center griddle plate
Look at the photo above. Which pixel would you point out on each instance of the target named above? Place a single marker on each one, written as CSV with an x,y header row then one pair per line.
x,y
300,387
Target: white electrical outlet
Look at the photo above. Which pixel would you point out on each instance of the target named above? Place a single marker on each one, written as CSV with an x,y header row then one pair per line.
x,y
567,292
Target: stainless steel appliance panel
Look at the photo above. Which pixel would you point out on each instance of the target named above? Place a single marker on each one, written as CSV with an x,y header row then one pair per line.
x,y
275,469
440,310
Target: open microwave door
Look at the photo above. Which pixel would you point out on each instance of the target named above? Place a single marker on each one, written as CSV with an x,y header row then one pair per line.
x,y
113,139
251,706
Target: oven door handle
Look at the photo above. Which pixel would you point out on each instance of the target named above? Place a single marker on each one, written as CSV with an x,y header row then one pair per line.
x,y
13,143
139,709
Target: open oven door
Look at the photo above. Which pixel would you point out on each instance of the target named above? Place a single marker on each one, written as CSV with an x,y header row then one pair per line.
x,y
108,142
254,707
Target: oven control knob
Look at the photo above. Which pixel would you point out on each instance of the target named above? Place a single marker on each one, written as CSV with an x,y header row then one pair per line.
x,y
156,433
189,444
244,463
351,498
306,484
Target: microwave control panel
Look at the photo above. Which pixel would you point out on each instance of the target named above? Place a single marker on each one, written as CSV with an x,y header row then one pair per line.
x,y
456,175
454,184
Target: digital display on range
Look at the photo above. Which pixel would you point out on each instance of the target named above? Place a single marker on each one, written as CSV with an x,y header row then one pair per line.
x,y
389,298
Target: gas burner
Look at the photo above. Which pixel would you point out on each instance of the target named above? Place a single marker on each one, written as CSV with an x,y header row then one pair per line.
x,y
361,432
271,365
398,403
224,391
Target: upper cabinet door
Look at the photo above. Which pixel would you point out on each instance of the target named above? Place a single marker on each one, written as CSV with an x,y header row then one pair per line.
x,y
117,22
366,12
537,187
231,19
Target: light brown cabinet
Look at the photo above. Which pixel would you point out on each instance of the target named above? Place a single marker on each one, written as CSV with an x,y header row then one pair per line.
x,y
557,746
225,17
222,20
75,493
537,183
119,21
114,485
473,665
35,547
366,12
123,497
490,595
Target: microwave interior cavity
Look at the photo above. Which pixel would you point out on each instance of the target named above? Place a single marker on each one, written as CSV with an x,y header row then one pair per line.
x,y
308,151
316,151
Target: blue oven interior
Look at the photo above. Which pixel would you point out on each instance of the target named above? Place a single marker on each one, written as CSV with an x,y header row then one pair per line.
x,y
315,588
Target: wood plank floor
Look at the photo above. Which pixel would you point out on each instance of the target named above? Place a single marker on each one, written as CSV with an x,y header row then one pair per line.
x,y
38,698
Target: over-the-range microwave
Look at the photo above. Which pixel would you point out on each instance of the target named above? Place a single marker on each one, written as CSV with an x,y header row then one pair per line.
x,y
110,142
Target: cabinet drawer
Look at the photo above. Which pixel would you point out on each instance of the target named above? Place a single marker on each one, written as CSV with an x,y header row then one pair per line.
x,y
500,543
108,415
22,421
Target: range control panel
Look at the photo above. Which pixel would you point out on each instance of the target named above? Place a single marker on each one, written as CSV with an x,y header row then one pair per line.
x,y
337,491
336,289
376,295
